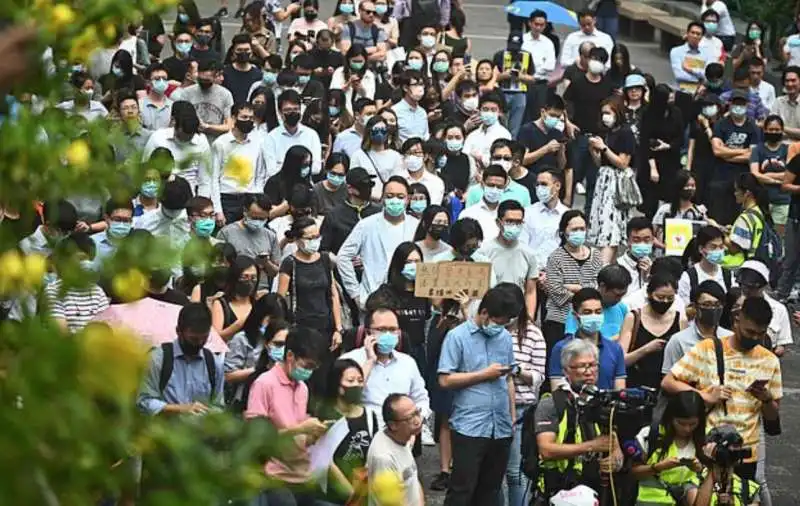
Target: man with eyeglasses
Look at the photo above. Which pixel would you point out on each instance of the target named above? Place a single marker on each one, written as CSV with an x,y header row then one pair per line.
x,y
389,451
562,438
136,135
589,312
386,370
364,31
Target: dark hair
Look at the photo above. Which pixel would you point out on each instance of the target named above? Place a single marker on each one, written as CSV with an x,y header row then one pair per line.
x,y
586,13
757,310
176,194
773,118
584,294
370,315
124,61
194,316
458,20
288,97
759,25
238,266
427,218
304,61
155,66
296,229
614,277
186,119
554,102
494,98
406,78
680,180
73,243
494,171
399,180
619,73
706,234
538,13
463,230
387,410
731,297
394,276
509,205
337,158
741,73
306,343
791,69
206,65
565,219
522,314
709,12
293,162
709,287
272,305
334,377
465,86
499,303
661,279
697,24
419,189
638,223
197,204
668,265
361,103
686,404
113,204
747,182
259,199
598,53
714,71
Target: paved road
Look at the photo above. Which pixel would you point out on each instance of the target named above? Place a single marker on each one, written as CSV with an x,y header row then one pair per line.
x,y
488,29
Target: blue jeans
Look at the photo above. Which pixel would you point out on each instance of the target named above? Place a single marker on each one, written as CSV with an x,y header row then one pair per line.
x,y
516,482
515,102
609,25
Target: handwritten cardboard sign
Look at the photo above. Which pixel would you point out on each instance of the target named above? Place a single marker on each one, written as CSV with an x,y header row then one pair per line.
x,y
445,279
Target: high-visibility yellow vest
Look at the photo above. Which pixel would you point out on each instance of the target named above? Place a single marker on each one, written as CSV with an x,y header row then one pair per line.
x,y
741,497
508,64
653,490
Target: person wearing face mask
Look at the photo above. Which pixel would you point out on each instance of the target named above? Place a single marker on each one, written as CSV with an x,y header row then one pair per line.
x,y
638,259
484,212
202,282
306,281
212,101
82,102
513,69
227,188
119,217
415,157
479,142
514,262
130,122
461,169
709,243
700,158
418,200
749,379
230,311
121,76
291,133
743,86
481,420
156,107
332,190
200,211
753,228
240,73
376,156
646,331
280,395
146,201
172,221
250,235
412,120
545,140
373,238
710,42
353,77
588,311
463,107
364,32
268,80
569,268
433,226
184,357
341,220
203,38
753,277
768,165
73,308
309,24
177,64
349,141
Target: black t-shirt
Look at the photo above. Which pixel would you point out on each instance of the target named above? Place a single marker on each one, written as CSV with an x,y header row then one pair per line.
x,y
239,83
309,292
455,173
351,454
413,312
176,68
621,142
275,191
533,138
207,55
703,157
573,72
452,113
325,59
585,98
111,82
529,182
735,137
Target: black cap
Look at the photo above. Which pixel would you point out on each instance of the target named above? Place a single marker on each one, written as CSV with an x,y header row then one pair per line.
x,y
710,99
515,40
359,175
739,95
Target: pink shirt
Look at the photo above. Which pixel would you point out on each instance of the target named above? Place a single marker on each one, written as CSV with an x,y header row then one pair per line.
x,y
303,26
273,395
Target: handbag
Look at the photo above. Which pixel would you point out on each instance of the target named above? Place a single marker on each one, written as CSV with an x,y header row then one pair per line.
x,y
628,194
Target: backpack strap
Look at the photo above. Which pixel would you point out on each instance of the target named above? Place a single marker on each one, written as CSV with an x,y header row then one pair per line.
x,y
637,323
693,279
375,34
351,29
167,365
211,368
372,422
718,351
726,278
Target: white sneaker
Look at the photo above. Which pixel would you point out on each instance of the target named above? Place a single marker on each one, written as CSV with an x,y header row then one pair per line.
x,y
427,436
580,189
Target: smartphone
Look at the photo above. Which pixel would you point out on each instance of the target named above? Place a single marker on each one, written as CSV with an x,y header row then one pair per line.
x,y
467,59
762,383
514,368
686,462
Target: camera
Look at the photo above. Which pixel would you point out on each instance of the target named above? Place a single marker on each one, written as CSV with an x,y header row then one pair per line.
x,y
728,451
597,404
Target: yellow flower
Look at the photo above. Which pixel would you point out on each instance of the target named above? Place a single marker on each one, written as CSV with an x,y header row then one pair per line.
x,y
130,285
240,169
109,31
35,267
387,489
77,154
61,17
112,360
11,265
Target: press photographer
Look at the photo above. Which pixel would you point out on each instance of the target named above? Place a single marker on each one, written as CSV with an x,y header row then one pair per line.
x,y
572,449
724,450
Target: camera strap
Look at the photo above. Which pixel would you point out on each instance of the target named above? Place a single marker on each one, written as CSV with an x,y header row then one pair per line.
x,y
720,367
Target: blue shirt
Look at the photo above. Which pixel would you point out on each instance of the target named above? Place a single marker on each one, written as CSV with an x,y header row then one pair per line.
x,y
480,410
698,59
103,248
613,316
612,361
189,382
411,121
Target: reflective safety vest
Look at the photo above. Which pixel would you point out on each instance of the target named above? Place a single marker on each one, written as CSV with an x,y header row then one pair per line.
x,y
655,489
744,491
568,470
508,64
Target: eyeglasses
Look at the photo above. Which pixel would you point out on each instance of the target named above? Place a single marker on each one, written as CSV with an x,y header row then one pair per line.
x,y
365,11
584,367
415,414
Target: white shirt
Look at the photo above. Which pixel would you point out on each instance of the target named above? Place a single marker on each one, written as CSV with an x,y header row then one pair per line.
x,y
399,375
479,142
487,218
367,84
767,93
726,28
279,140
94,110
541,227
373,239
432,182
571,47
713,46
780,327
387,456
176,229
685,287
198,171
543,54
222,181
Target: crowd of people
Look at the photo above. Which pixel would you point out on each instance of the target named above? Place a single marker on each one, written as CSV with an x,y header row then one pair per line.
x,y
315,165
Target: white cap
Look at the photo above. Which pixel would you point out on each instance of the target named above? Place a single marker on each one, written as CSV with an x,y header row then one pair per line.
x,y
578,496
757,266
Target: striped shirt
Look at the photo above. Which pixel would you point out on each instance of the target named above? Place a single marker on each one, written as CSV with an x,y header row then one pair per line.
x,y
699,368
564,269
76,306
530,354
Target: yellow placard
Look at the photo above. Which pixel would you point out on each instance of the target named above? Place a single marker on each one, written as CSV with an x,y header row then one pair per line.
x,y
677,234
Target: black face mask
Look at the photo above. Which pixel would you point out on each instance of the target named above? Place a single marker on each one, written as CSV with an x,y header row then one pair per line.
x,y
437,231
660,306
244,126
686,194
243,288
242,57
773,137
709,317
203,39
310,16
291,119
204,83
748,343
189,349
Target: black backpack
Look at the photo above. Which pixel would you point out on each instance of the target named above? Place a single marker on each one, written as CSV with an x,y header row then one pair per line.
x,y
168,364
426,10
694,279
529,446
770,248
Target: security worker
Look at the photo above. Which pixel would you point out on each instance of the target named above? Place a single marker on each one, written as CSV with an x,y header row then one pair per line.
x,y
566,444
513,70
668,466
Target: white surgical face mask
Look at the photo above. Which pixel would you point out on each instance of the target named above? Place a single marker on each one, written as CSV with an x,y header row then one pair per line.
x,y
471,103
595,67
608,120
